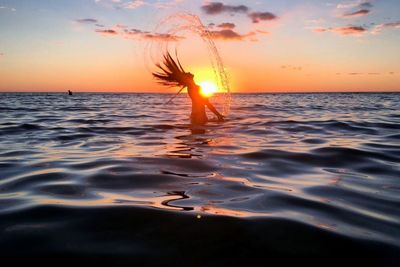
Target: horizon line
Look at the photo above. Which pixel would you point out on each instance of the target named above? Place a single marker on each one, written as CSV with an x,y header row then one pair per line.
x,y
167,93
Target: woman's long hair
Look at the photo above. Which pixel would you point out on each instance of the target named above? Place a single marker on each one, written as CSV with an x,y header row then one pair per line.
x,y
171,73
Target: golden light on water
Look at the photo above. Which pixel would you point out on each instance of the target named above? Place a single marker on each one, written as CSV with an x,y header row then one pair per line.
x,y
208,88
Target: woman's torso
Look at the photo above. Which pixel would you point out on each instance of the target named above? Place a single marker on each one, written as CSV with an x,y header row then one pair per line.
x,y
198,115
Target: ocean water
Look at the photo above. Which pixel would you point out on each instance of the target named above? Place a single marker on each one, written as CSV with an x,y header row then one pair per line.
x,y
123,178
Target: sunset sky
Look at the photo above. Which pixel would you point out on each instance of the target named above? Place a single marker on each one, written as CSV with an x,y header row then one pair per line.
x,y
266,45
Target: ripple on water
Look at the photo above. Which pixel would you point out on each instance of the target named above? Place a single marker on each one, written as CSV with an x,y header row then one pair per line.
x,y
284,173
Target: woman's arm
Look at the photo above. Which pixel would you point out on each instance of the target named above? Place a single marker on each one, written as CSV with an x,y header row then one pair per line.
x,y
214,110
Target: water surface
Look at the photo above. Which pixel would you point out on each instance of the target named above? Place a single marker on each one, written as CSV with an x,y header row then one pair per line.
x,y
123,174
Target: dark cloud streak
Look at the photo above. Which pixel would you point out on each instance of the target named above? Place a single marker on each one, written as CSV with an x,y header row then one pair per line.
x,y
256,17
358,13
107,32
347,30
227,25
215,8
86,21
366,5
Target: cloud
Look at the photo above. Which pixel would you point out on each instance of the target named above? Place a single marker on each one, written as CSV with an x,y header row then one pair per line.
x,y
360,8
137,34
223,31
358,13
350,30
144,35
107,32
256,17
231,35
86,21
347,30
227,25
355,4
214,8
380,27
366,5
360,30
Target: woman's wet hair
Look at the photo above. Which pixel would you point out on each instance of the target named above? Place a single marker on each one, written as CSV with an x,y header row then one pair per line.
x,y
171,73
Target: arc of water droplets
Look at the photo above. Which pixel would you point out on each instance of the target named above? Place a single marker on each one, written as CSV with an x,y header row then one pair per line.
x,y
182,22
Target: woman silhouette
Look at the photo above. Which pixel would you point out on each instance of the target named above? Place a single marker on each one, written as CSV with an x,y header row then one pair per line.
x,y
172,74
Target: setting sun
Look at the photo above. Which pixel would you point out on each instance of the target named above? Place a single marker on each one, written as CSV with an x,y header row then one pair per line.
x,y
208,88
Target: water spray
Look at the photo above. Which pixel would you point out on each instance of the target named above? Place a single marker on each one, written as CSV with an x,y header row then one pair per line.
x,y
173,28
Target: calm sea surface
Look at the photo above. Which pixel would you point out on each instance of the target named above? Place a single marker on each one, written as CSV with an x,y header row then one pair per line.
x,y
125,178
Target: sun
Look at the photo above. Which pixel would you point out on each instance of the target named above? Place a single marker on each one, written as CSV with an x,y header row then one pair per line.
x,y
208,88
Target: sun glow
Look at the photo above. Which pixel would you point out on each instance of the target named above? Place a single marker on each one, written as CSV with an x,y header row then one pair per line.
x,y
208,88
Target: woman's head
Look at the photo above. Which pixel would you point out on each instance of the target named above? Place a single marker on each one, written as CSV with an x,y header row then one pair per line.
x,y
172,73
188,78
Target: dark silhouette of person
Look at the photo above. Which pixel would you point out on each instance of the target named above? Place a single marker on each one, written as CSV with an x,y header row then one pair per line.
x,y
172,74
69,92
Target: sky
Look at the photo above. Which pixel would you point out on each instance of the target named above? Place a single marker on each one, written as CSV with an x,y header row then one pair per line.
x,y
265,45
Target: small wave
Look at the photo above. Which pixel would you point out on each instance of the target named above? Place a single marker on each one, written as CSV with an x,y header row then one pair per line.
x,y
23,128
311,173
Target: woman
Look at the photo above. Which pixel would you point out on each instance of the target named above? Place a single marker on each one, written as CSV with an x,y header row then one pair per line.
x,y
172,74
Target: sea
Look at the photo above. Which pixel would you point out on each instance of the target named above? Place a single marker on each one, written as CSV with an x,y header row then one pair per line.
x,y
126,180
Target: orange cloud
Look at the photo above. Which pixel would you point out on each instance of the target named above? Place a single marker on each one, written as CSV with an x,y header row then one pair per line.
x,y
347,30
143,35
226,33
358,13
227,25
230,35
138,34
391,25
107,32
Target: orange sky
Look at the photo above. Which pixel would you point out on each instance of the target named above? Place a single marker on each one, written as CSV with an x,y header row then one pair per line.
x,y
296,46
